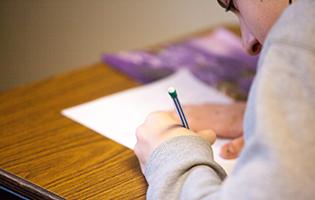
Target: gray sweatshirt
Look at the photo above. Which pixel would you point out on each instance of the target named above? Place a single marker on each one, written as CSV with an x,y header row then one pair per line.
x,y
278,160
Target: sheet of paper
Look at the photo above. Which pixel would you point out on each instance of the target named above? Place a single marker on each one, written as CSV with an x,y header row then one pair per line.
x,y
117,116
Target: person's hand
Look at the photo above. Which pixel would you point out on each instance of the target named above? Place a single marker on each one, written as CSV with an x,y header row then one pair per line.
x,y
225,119
159,127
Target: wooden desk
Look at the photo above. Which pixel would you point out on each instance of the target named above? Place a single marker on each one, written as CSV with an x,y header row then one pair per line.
x,y
40,145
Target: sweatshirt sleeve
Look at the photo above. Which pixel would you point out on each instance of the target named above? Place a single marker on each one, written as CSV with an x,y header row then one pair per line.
x,y
183,168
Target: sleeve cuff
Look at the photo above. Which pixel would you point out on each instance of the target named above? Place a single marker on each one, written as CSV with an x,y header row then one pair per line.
x,y
178,155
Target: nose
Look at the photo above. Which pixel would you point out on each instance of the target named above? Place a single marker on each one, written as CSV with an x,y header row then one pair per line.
x,y
250,43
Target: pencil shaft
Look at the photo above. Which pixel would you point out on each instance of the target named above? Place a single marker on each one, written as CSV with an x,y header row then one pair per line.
x,y
181,113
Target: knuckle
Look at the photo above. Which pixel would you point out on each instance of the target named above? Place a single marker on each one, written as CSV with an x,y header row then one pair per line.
x,y
139,134
153,116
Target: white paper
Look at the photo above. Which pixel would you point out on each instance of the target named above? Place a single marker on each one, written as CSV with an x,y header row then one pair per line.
x,y
117,116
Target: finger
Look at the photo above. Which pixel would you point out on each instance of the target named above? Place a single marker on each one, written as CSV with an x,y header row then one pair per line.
x,y
231,150
208,134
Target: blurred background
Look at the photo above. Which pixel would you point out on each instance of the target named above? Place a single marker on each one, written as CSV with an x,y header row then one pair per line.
x,y
42,38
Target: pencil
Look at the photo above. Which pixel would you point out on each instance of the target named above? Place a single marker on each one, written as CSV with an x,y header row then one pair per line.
x,y
172,92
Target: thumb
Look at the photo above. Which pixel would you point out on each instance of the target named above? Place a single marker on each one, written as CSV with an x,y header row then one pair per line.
x,y
208,134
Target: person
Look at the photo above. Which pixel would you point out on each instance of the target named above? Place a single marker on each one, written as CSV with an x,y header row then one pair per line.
x,y
277,161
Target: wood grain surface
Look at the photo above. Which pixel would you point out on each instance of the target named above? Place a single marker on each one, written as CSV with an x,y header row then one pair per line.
x,y
40,145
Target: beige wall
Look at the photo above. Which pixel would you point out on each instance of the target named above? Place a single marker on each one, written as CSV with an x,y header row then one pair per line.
x,y
41,38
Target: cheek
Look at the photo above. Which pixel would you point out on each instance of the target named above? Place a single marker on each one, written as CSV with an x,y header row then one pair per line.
x,y
253,19
258,27
259,16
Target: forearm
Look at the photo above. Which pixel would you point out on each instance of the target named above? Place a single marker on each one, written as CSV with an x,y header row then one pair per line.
x,y
225,119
